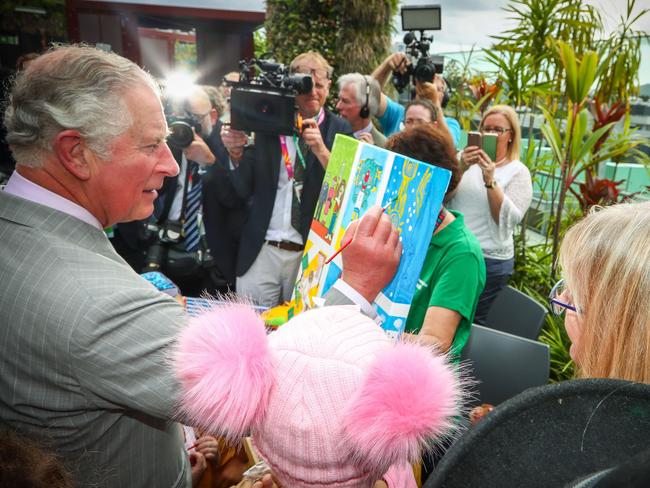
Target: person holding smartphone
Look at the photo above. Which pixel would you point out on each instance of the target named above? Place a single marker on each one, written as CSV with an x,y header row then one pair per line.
x,y
493,195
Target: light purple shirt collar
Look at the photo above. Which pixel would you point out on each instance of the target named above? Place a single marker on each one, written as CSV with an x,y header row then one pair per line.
x,y
20,186
367,128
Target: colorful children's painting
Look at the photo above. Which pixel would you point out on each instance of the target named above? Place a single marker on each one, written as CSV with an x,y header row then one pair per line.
x,y
358,176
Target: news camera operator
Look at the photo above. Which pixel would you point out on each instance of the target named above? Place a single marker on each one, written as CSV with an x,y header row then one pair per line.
x,y
283,176
391,114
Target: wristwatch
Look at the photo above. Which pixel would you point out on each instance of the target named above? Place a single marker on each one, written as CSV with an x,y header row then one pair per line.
x,y
491,185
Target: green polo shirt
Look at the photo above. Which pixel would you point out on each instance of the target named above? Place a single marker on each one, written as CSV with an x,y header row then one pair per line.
x,y
452,277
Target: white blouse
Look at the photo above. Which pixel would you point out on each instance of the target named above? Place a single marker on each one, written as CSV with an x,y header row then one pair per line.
x,y
472,201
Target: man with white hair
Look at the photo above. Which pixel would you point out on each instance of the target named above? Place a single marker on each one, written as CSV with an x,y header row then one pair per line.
x,y
85,341
359,98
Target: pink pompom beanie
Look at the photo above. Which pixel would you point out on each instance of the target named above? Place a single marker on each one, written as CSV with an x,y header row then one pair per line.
x,y
329,399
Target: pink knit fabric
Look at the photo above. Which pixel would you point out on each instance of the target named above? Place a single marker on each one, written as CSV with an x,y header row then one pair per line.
x,y
344,406
400,476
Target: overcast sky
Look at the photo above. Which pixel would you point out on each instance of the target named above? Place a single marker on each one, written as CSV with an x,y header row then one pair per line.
x,y
471,22
468,22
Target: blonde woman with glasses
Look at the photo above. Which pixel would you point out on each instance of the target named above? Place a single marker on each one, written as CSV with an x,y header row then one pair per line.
x,y
605,293
494,196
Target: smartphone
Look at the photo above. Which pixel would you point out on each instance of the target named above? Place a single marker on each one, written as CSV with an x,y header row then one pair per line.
x,y
489,145
474,139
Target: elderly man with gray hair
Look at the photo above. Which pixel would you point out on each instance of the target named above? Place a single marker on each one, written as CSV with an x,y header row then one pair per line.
x,y
86,342
358,100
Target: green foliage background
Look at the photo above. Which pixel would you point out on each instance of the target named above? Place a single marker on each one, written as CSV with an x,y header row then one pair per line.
x,y
353,35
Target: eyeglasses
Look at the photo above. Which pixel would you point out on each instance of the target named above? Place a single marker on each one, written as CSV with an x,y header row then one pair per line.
x,y
321,73
494,130
558,307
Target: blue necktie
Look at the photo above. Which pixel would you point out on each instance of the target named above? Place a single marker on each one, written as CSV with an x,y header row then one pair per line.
x,y
192,208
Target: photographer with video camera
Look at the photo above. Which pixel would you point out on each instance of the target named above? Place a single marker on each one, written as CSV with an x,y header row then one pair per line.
x,y
282,176
435,89
177,230
416,68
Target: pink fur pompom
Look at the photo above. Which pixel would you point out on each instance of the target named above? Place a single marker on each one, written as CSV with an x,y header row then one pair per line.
x,y
408,399
226,370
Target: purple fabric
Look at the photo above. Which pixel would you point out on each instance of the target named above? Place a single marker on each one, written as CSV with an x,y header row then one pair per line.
x,y
19,186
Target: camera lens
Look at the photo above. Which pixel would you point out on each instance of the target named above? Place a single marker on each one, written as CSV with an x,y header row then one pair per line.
x,y
155,257
181,134
425,70
300,82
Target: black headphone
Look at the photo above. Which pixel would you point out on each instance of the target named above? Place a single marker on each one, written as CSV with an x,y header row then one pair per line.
x,y
364,112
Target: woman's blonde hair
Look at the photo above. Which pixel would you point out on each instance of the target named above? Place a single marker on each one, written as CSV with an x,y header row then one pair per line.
x,y
605,260
514,146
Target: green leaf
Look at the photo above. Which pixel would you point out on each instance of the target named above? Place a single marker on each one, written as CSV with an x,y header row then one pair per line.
x,y
586,74
578,135
552,135
571,70
591,141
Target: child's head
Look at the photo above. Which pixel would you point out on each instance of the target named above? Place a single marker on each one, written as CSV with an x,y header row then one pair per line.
x,y
25,463
329,398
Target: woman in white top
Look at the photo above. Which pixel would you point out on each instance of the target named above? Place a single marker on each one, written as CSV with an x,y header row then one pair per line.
x,y
494,196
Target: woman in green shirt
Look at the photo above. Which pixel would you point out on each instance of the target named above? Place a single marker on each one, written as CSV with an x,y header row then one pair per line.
x,y
453,274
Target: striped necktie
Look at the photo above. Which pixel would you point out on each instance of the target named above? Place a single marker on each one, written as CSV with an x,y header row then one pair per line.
x,y
191,213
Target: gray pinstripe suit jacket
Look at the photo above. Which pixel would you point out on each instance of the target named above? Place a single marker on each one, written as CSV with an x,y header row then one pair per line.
x,y
84,344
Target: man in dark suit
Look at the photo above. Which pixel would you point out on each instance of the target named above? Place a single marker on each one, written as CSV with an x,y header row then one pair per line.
x,y
283,175
224,215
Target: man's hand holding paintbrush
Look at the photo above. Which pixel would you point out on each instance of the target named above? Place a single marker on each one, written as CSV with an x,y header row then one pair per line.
x,y
371,258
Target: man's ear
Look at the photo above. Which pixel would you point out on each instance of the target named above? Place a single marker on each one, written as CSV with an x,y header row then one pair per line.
x,y
72,152
214,116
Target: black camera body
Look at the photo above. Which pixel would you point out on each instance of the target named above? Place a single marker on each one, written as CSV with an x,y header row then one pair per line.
x,y
426,66
181,129
264,98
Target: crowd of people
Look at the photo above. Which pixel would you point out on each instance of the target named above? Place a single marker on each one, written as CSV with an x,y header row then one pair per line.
x,y
98,196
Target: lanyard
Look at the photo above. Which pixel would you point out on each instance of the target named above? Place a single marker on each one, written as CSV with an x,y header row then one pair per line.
x,y
287,159
285,155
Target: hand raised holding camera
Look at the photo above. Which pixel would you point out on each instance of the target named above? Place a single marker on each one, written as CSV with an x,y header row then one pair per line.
x,y
398,62
199,151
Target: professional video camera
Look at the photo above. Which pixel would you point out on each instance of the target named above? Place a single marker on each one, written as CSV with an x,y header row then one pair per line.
x,y
264,98
423,67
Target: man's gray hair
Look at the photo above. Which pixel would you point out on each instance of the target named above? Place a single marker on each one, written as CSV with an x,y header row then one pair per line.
x,y
70,87
361,83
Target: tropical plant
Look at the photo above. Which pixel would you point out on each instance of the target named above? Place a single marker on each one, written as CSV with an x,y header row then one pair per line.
x,y
621,54
353,35
259,43
557,61
574,146
462,104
